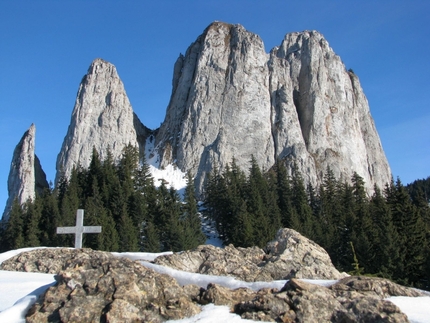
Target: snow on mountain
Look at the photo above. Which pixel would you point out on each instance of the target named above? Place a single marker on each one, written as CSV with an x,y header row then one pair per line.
x,y
172,176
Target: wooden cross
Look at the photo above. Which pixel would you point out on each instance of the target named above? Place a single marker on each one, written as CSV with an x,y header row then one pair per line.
x,y
79,229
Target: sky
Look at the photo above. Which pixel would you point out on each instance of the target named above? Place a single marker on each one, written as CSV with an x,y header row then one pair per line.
x,y
19,290
46,48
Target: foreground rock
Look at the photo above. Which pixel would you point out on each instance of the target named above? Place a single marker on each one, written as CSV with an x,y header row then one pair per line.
x,y
354,299
290,255
94,286
97,287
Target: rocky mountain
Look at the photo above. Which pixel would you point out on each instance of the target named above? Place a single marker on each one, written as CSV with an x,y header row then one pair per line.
x,y
102,118
231,99
299,103
26,176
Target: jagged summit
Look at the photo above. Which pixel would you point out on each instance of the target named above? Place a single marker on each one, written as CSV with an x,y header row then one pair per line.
x,y
231,99
102,118
26,176
298,103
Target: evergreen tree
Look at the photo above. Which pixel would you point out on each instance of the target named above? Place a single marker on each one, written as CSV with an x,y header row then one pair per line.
x,y
33,214
128,237
386,247
288,212
150,241
49,220
363,227
192,228
301,205
14,235
411,234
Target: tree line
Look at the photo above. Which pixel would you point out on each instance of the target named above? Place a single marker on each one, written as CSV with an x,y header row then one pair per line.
x,y
386,234
119,196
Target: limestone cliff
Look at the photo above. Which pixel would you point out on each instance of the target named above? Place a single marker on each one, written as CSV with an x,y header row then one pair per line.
x,y
220,105
26,176
102,118
231,99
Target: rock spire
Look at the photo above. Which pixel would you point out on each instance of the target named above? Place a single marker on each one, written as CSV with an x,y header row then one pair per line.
x,y
26,176
102,118
231,99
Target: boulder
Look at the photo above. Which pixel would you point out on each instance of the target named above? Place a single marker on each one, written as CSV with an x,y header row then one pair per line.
x,y
95,286
299,301
289,255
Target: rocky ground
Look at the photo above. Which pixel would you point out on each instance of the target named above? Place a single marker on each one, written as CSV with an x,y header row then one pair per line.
x,y
94,286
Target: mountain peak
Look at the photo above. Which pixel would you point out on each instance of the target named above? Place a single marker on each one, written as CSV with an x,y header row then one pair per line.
x,y
26,176
102,118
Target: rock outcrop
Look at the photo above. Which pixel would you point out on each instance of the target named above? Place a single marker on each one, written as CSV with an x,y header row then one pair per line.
x,y
290,255
94,286
26,176
299,301
102,118
231,99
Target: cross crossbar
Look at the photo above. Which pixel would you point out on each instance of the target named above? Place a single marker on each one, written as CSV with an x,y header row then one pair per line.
x,y
79,229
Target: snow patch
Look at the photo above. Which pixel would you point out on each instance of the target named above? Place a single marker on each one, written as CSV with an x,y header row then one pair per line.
x,y
201,280
171,174
213,314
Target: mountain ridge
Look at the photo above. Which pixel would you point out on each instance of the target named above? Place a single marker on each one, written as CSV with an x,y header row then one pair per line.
x,y
232,100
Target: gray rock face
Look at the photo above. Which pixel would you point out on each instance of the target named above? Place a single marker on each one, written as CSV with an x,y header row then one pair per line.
x,y
309,84
220,105
232,100
102,118
290,255
26,176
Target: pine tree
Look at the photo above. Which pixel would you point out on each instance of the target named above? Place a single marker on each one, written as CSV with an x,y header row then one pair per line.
x,y
386,247
33,213
49,219
288,212
193,235
301,205
128,237
108,239
363,227
150,241
411,234
14,235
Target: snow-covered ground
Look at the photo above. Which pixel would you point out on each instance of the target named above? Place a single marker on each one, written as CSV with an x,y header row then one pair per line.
x,y
18,291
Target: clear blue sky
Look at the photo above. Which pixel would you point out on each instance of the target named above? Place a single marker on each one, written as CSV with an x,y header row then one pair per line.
x,y
46,48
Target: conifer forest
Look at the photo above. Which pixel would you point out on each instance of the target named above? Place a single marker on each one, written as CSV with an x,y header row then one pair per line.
x,y
386,234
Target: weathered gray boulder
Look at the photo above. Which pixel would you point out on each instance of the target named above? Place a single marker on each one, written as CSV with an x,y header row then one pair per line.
x,y
94,286
299,301
26,176
102,118
289,255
